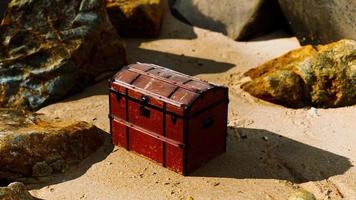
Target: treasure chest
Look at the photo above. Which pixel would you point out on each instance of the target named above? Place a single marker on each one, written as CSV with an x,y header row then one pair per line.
x,y
174,119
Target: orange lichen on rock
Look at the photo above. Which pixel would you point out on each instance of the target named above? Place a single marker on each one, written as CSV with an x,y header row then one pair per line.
x,y
136,18
32,145
321,76
51,49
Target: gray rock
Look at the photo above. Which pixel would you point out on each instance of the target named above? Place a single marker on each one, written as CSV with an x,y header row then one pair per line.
x,y
239,19
32,145
321,21
15,191
51,49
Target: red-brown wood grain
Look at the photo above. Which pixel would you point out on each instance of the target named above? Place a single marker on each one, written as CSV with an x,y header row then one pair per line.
x,y
172,118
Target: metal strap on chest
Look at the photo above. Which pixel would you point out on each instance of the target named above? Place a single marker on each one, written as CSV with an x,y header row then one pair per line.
x,y
148,132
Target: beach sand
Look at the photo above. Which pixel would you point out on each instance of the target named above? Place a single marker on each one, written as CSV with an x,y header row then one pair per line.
x,y
272,150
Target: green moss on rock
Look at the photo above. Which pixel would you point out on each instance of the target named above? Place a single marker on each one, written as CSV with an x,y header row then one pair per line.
x,y
15,191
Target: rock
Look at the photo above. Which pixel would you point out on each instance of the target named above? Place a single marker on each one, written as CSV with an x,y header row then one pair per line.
x,y
31,145
238,19
302,195
315,21
41,169
50,49
3,6
321,76
15,191
58,166
136,18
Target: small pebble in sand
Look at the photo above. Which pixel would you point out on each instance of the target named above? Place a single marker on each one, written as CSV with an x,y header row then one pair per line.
x,y
216,184
190,198
313,111
265,138
302,195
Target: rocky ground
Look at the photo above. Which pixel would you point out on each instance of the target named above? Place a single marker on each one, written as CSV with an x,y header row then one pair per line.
x,y
273,151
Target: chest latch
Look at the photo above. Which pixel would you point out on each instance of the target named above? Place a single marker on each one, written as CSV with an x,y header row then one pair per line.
x,y
174,118
143,110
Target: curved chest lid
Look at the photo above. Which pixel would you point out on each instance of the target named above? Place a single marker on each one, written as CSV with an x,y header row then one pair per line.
x,y
161,83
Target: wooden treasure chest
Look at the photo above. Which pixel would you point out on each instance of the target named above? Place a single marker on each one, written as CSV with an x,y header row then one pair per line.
x,y
174,119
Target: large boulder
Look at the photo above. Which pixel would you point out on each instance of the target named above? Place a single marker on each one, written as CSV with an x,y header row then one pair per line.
x,y
321,76
316,21
51,48
136,18
31,145
238,19
15,191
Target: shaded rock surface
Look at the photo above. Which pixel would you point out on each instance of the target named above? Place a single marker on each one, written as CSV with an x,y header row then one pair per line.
x,y
321,76
238,19
3,6
136,18
33,146
50,49
316,21
15,191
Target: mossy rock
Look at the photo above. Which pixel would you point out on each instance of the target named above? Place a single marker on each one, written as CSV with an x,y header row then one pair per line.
x,y
321,76
302,195
15,191
136,18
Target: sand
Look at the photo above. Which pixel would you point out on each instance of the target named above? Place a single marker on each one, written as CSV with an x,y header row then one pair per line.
x,y
272,150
